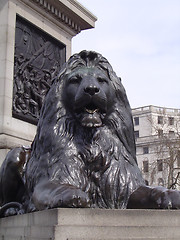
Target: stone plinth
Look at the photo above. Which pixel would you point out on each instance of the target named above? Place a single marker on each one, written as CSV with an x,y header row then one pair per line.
x,y
59,19
81,224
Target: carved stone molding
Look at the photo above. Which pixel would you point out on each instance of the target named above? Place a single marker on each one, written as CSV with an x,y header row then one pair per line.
x,y
68,12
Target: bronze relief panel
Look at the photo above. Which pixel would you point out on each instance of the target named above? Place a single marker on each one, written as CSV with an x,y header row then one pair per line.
x,y
37,60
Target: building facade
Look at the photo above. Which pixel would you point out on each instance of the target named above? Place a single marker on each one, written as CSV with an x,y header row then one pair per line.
x,y
157,134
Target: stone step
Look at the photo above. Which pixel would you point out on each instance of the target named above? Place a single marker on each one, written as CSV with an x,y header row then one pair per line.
x,y
30,238
96,217
92,232
92,224
145,238
66,232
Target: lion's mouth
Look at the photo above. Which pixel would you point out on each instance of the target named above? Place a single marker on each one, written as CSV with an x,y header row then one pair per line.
x,y
90,115
91,108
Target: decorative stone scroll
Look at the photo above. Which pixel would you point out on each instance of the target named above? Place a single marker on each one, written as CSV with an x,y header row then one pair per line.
x,y
37,60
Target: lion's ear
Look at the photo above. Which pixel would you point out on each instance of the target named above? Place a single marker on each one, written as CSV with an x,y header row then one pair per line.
x,y
119,79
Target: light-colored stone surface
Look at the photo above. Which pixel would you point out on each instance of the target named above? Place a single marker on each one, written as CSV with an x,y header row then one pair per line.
x,y
79,224
62,19
3,153
158,148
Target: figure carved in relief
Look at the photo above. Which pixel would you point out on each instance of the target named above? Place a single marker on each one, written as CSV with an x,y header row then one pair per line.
x,y
38,58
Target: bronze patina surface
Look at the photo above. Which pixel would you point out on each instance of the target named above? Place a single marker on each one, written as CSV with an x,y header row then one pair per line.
x,y
83,154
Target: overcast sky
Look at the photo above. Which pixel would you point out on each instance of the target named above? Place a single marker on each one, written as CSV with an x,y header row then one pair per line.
x,y
141,40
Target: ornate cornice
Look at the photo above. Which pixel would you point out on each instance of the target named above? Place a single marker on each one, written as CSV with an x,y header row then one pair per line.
x,y
69,12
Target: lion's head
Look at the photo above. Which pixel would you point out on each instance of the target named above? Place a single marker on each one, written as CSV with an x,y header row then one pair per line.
x,y
88,95
88,91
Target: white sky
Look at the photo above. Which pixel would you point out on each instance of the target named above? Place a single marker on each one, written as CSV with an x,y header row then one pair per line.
x,y
141,40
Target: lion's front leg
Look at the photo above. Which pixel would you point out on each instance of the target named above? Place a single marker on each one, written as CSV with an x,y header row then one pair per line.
x,y
154,198
50,195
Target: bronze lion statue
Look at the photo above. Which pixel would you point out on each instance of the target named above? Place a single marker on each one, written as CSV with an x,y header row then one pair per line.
x,y
83,154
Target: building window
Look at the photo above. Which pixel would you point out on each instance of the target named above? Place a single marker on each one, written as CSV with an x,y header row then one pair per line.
x,y
145,150
160,132
145,166
136,134
160,165
136,121
178,158
160,182
160,119
146,182
171,133
171,121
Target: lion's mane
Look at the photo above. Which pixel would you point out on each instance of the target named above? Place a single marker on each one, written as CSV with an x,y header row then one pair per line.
x,y
100,161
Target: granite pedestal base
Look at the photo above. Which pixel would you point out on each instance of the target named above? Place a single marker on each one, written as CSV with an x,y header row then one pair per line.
x,y
81,224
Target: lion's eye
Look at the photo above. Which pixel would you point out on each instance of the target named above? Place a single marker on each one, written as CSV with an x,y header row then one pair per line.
x,y
101,80
75,79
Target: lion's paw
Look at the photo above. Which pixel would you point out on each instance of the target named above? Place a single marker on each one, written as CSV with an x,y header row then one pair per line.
x,y
71,198
166,198
51,195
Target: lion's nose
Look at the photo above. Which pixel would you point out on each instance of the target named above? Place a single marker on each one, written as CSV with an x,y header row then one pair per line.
x,y
91,90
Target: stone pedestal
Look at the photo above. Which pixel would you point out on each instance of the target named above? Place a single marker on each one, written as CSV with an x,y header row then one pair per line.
x,y
92,224
58,19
